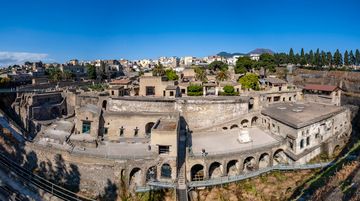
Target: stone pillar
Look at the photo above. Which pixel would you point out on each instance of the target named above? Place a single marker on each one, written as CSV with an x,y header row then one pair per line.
x,y
216,91
204,90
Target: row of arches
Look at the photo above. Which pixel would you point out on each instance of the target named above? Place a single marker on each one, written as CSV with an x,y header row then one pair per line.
x,y
243,123
151,174
235,167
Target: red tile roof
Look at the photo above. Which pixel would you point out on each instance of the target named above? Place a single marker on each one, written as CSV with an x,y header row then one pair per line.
x,y
320,87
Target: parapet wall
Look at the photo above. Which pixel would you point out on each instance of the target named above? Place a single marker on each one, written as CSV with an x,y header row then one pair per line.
x,y
198,113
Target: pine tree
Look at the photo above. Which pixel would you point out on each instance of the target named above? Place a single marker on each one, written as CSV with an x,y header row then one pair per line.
x,y
297,58
329,59
311,58
307,58
337,58
352,58
291,56
357,57
346,58
302,57
323,59
317,57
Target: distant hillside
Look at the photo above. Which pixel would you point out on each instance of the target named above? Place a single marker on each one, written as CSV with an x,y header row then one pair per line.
x,y
261,51
256,51
228,55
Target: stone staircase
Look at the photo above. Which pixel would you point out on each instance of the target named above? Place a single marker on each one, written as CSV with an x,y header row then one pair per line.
x,y
68,142
181,187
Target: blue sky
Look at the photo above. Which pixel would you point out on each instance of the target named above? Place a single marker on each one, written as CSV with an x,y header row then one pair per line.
x,y
84,29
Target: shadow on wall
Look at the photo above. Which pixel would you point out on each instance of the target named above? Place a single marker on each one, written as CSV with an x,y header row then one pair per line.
x,y
57,172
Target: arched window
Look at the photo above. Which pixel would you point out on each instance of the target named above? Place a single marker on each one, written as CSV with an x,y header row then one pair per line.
x,y
148,127
302,144
166,171
308,141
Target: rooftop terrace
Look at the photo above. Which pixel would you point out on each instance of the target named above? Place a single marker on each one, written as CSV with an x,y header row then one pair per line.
x,y
298,115
226,142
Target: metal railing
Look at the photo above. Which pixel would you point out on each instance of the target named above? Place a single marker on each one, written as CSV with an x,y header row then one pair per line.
x,y
228,179
153,185
38,182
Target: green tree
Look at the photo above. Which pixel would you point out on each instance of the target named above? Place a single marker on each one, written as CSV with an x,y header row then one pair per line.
x,y
91,71
222,75
329,59
250,81
352,58
346,58
267,61
218,65
357,57
291,56
311,61
281,58
171,74
243,65
302,58
323,59
4,81
317,57
268,58
200,74
229,90
55,74
67,75
158,70
194,90
337,58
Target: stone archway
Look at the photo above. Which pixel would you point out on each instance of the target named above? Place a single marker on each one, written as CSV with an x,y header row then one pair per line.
x,y
245,123
151,174
135,177
232,168
215,170
264,160
197,172
249,164
104,104
280,157
234,126
251,104
166,171
254,121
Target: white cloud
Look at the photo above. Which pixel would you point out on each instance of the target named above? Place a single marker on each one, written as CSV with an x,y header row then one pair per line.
x,y
9,58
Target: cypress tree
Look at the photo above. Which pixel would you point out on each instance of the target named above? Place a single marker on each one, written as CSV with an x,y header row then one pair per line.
x,y
317,57
323,59
352,58
346,58
311,58
329,59
302,57
291,56
338,58
357,57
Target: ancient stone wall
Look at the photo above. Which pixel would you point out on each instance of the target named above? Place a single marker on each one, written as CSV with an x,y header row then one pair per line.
x,y
198,113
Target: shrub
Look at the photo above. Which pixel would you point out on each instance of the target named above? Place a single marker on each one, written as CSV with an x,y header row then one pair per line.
x,y
229,90
195,90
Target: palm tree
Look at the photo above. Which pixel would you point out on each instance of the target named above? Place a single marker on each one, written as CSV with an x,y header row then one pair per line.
x,y
200,74
158,70
222,75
